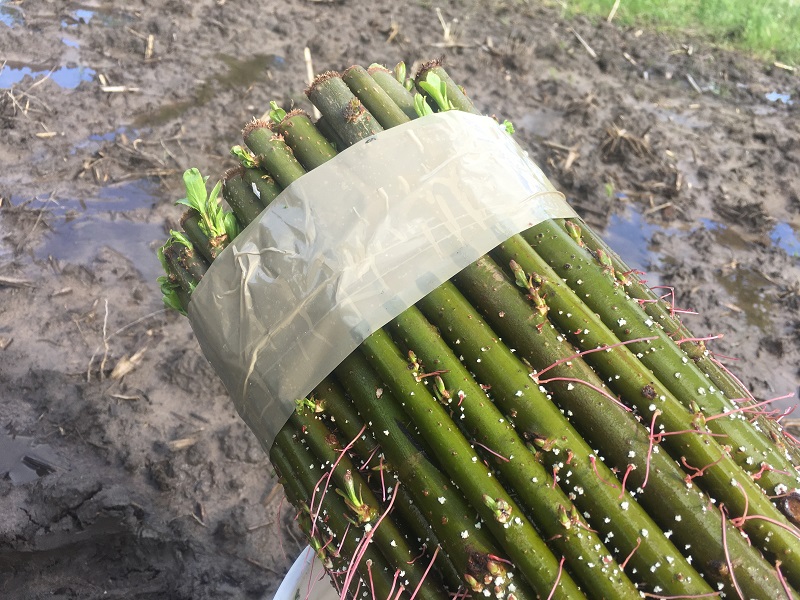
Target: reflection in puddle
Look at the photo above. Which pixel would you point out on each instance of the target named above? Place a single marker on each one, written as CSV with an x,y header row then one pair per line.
x,y
83,15
80,228
784,236
23,462
629,234
778,97
67,77
95,141
11,15
101,14
242,73
746,287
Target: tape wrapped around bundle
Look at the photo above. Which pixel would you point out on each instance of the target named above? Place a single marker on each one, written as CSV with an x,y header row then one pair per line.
x,y
351,245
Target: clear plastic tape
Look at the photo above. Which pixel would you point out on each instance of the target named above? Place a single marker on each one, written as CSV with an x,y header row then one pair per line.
x,y
351,245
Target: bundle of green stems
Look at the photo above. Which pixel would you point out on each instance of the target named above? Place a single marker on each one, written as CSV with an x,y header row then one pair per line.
x,y
540,426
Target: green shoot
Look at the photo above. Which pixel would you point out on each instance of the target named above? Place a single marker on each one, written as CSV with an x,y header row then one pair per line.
x,y
169,291
231,224
509,127
245,157
436,89
400,72
354,501
276,113
421,106
215,222
169,287
178,237
575,233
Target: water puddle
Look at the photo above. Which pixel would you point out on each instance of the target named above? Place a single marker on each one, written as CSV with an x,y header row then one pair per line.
x,y
68,77
23,462
80,227
778,97
629,234
107,16
784,236
95,141
241,73
747,289
11,14
80,16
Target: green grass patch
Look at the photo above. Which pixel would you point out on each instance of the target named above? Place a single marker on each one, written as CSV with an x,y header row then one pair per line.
x,y
768,28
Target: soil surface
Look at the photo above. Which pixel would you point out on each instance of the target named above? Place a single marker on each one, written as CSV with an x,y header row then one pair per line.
x,y
124,470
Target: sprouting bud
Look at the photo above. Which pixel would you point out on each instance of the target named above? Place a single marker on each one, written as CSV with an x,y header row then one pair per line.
x,y
276,113
563,517
497,569
413,363
400,72
320,549
440,390
519,274
574,232
473,583
364,512
311,403
436,88
538,442
244,156
694,350
538,301
421,106
499,507
605,260
354,110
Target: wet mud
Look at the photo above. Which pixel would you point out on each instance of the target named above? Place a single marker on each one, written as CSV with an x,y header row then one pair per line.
x,y
124,470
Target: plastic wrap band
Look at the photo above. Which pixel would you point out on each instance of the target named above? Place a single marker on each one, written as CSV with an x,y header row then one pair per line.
x,y
351,245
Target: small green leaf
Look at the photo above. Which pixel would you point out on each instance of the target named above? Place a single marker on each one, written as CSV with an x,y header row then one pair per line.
x,y
195,189
232,228
169,291
421,106
509,127
212,198
436,89
178,237
400,72
162,260
277,114
245,157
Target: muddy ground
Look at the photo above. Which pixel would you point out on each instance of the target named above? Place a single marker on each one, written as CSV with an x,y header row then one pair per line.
x,y
140,481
